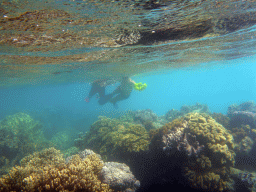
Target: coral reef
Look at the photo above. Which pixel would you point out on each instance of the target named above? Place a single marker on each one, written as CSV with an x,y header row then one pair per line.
x,y
239,118
156,135
182,141
243,114
119,177
142,116
20,135
208,147
174,114
245,146
246,106
240,132
63,140
221,119
114,139
47,171
211,170
245,178
147,118
199,108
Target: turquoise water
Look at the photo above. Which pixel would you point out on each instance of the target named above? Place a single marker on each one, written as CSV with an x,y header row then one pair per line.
x,y
187,52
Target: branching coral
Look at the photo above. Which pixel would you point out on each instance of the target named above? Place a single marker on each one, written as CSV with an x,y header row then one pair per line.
x,y
47,171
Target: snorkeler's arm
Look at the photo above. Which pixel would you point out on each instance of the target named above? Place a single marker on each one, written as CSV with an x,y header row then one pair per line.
x,y
133,82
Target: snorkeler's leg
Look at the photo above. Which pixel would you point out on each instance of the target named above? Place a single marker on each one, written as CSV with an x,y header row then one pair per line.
x,y
105,99
117,98
101,92
94,89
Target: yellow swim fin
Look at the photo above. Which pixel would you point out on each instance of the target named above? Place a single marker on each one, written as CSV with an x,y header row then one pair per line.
x,y
140,86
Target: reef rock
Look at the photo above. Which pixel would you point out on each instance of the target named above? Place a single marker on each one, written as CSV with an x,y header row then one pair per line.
x,y
243,114
119,177
142,116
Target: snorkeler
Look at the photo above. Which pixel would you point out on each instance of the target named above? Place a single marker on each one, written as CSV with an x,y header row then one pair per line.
x,y
122,92
98,87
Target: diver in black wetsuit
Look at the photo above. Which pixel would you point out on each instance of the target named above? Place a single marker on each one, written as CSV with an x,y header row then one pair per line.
x,y
122,92
98,87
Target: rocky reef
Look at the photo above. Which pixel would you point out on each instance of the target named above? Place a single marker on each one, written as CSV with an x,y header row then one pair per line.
x,y
49,171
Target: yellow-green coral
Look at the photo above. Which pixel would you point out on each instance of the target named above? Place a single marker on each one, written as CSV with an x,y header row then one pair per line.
x,y
114,138
47,171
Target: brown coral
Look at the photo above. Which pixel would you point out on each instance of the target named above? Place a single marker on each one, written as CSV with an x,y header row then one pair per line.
x,y
47,170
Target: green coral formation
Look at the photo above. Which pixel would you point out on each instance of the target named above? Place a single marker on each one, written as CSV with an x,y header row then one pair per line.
x,y
20,135
114,139
47,171
211,170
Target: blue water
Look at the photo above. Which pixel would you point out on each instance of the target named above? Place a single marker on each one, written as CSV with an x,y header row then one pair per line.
x,y
219,86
